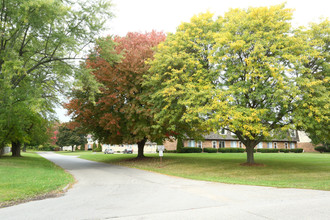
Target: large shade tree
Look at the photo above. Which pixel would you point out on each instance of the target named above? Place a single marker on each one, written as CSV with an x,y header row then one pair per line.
x,y
250,85
117,114
39,42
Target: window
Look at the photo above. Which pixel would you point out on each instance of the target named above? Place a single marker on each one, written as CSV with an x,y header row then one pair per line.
x,y
286,145
199,144
233,144
292,146
89,146
191,143
260,145
275,145
222,144
240,144
214,144
222,131
269,144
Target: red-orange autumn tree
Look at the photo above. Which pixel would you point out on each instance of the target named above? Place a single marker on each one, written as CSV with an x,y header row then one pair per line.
x,y
117,114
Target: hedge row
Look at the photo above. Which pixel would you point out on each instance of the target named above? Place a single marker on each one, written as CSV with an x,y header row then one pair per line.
x,y
211,150
231,150
296,150
190,150
234,150
322,149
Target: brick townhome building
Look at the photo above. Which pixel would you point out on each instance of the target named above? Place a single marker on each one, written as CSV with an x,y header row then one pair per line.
x,y
225,139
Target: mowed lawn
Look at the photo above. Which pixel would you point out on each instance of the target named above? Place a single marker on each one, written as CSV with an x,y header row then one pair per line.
x,y
302,170
29,176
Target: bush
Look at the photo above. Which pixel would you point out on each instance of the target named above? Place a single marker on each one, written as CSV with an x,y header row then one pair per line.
x,y
297,150
267,150
285,150
211,150
231,150
320,149
190,150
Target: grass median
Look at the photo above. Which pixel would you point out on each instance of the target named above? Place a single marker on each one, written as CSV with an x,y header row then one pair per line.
x,y
30,177
305,170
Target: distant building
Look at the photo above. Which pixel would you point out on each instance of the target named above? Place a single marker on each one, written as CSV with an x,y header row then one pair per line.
x,y
226,139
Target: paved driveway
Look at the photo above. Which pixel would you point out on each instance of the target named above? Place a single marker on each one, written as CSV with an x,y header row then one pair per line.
x,y
106,191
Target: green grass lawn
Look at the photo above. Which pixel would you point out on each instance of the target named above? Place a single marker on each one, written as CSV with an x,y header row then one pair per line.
x,y
306,170
29,176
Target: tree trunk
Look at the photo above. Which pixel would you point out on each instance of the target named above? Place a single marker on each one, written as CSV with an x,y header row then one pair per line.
x,y
16,149
2,146
141,148
72,148
250,154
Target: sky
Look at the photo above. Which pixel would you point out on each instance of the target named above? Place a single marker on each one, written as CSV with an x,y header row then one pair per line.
x,y
147,15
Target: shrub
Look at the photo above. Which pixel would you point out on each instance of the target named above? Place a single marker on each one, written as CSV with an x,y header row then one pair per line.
x,y
210,150
190,150
320,149
285,150
297,150
267,150
231,150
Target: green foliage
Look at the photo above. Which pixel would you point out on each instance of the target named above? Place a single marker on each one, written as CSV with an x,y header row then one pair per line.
x,y
231,150
40,41
285,150
268,150
94,147
210,150
314,82
190,150
297,150
322,149
70,136
248,71
179,144
97,148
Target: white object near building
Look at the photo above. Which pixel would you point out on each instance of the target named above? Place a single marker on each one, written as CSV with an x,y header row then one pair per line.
x,y
161,149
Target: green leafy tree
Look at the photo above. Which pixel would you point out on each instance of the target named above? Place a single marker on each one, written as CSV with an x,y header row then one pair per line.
x,y
70,137
249,85
179,77
313,115
39,42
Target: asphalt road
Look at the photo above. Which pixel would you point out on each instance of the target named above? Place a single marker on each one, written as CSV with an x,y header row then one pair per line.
x,y
106,191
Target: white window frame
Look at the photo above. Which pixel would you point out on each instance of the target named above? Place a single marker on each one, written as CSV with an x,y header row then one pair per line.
x,y
275,145
214,144
191,143
200,144
292,145
286,145
269,145
260,145
233,144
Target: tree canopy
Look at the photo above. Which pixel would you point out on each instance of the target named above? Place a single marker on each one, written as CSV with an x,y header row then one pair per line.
x,y
39,42
117,114
242,72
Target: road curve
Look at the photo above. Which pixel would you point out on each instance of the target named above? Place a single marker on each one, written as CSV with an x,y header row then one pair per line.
x,y
106,191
